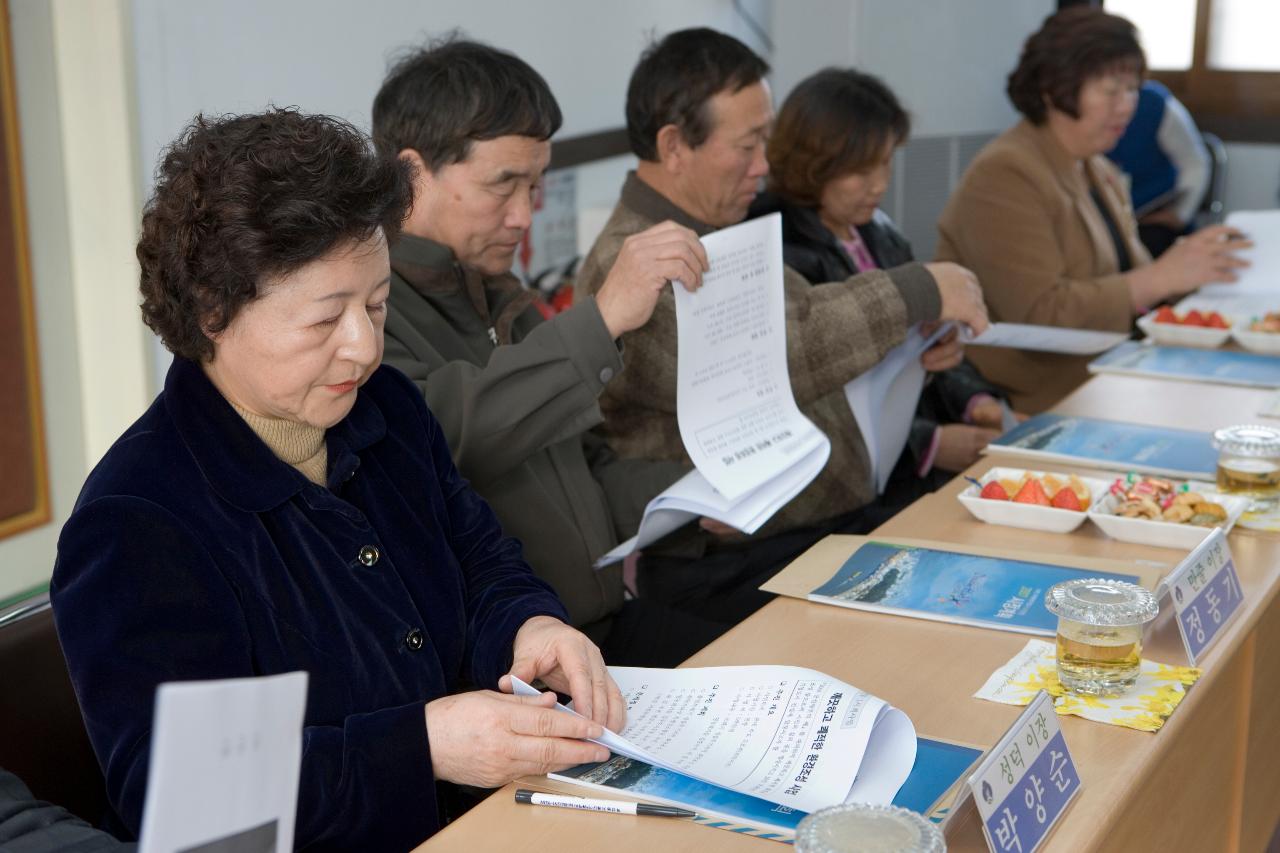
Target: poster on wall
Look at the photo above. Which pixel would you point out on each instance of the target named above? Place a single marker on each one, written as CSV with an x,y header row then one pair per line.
x,y
24,497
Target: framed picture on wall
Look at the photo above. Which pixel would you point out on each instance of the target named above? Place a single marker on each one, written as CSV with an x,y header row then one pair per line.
x,y
24,479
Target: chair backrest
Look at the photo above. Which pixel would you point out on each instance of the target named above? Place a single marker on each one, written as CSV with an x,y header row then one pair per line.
x,y
42,735
1211,208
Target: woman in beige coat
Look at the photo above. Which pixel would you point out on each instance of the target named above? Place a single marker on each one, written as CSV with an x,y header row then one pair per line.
x,y
1043,218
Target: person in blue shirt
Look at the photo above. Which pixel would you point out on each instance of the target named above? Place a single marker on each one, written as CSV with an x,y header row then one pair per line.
x,y
287,503
1167,162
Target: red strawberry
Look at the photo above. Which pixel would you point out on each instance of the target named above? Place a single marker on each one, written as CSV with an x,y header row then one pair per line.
x,y
1031,493
1193,318
993,491
1165,315
1215,321
1067,499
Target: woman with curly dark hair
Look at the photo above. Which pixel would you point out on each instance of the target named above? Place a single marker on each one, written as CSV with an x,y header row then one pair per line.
x,y
1043,218
286,503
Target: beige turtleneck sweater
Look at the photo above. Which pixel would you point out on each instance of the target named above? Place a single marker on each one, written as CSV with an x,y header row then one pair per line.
x,y
300,445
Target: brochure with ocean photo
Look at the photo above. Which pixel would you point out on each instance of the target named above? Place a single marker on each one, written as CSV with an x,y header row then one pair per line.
x,y
1225,367
933,789
989,592
1162,451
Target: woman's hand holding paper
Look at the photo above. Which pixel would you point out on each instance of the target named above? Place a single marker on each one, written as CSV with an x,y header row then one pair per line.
x,y
487,739
567,661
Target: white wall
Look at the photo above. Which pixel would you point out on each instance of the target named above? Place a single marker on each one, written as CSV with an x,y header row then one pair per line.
x,y
91,48
946,60
331,55
1253,177
27,558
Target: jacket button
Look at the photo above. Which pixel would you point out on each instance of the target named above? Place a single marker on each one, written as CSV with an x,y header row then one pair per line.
x,y
605,375
414,640
368,555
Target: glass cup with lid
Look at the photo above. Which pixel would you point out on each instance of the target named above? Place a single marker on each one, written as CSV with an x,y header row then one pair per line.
x,y
862,828
1249,460
1099,645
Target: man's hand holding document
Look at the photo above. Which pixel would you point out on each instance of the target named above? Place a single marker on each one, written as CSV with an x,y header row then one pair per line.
x,y
752,448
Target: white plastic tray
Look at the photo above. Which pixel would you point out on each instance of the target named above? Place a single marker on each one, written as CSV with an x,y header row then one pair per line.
x,y
1172,334
1163,534
1027,516
1266,343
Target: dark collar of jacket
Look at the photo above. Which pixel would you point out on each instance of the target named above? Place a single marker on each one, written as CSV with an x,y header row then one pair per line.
x,y
431,269
644,200
231,457
810,248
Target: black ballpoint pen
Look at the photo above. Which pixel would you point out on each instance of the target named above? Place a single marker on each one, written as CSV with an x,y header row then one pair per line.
x,y
537,798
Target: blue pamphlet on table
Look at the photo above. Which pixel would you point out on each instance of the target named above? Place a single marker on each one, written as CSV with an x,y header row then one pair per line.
x,y
931,790
1163,451
944,586
1225,367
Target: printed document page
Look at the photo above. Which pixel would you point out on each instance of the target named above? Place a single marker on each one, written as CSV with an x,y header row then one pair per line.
x,y
1048,338
692,497
884,401
786,734
1263,274
225,759
738,419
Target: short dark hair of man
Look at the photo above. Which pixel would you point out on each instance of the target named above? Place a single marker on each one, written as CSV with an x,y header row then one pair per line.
x,y
241,199
439,99
1072,46
835,123
675,79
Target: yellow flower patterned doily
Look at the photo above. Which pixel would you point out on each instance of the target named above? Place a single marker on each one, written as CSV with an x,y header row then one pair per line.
x,y
1145,706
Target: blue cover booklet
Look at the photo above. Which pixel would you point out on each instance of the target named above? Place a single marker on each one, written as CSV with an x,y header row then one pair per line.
x,y
1164,451
1226,367
988,592
932,790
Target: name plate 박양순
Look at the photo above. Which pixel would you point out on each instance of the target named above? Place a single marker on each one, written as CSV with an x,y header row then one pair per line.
x,y
1206,594
1026,782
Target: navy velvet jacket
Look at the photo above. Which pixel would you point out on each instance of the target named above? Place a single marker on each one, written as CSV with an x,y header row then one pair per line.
x,y
194,553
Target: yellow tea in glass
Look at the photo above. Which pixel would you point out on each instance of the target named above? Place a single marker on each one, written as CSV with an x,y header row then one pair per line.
x,y
1098,660
1249,460
1099,646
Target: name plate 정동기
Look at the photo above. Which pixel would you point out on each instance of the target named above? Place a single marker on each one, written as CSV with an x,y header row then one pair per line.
x,y
1206,593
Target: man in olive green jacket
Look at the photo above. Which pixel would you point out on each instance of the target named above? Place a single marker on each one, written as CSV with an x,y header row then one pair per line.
x,y
516,395
698,115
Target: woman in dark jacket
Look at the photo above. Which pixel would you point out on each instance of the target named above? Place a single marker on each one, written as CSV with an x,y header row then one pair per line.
x,y
286,503
830,157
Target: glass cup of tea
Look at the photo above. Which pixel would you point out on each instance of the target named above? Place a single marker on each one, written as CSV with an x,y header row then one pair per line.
x,y
1249,461
862,828
1099,646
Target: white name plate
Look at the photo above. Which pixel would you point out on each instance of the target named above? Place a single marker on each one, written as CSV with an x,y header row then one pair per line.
x,y
1026,782
1206,593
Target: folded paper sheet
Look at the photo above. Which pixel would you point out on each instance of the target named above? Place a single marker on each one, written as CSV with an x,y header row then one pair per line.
x,y
1262,277
789,735
884,401
738,419
225,759
752,448
1047,338
1145,707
